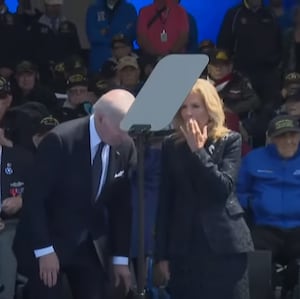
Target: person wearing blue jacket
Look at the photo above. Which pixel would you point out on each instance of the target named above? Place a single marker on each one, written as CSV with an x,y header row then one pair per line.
x,y
269,188
104,20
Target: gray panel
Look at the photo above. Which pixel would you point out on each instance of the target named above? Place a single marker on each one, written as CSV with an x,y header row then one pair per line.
x,y
165,91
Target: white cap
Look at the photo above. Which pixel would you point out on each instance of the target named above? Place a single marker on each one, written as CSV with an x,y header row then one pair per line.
x,y
54,2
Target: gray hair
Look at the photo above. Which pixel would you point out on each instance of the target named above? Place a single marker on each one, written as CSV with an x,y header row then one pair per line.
x,y
115,103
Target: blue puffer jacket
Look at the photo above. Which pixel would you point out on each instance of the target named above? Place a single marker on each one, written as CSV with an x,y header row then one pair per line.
x,y
270,186
102,24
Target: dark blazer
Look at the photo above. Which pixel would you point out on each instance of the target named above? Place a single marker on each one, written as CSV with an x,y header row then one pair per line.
x,y
59,210
15,163
198,195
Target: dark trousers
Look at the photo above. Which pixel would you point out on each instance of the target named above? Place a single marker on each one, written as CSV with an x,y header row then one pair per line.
x,y
85,276
211,277
202,274
285,247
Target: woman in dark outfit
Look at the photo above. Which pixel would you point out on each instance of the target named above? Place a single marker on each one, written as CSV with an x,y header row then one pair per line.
x,y
201,235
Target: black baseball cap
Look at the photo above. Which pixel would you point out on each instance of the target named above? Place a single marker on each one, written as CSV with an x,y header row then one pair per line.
x,y
283,124
26,67
77,79
219,56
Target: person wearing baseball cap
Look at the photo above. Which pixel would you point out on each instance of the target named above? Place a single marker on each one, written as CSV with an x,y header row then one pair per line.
x,y
268,189
129,74
291,83
77,94
283,125
292,104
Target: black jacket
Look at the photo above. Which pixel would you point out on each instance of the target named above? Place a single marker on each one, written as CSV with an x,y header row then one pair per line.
x,y
198,195
253,37
239,96
58,207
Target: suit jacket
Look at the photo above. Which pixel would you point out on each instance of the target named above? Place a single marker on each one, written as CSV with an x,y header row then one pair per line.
x,y
15,163
59,210
198,196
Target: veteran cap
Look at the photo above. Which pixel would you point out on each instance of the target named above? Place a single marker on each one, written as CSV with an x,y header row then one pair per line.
x,y
127,61
77,79
282,124
26,67
219,56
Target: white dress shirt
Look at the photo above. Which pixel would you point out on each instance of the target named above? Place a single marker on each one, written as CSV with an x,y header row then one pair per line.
x,y
94,144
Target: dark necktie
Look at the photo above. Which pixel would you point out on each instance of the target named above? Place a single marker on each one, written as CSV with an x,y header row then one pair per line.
x,y
97,171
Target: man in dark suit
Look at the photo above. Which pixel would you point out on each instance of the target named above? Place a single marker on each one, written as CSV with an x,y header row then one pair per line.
x,y
71,204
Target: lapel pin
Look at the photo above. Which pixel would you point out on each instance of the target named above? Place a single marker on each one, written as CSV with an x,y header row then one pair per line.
x,y
8,169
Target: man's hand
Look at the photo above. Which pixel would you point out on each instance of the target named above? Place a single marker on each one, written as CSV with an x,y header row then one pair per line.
x,y
3,140
12,205
49,268
164,270
122,273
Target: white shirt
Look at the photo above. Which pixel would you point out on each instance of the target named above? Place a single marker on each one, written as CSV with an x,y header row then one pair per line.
x,y
94,143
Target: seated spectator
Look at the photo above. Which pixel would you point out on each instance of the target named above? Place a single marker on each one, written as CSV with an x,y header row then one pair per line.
x,y
77,95
29,89
27,124
61,71
129,74
235,89
121,47
268,188
15,162
289,92
292,104
163,28
291,84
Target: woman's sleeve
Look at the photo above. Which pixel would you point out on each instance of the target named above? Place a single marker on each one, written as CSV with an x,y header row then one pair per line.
x,y
221,178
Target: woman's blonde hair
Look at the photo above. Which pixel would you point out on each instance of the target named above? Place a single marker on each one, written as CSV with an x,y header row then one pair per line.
x,y
214,105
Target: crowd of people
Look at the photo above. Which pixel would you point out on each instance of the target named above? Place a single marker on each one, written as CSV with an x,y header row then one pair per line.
x,y
224,183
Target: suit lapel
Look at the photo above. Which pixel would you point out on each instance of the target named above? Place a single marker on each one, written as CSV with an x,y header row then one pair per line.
x,y
113,161
83,155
